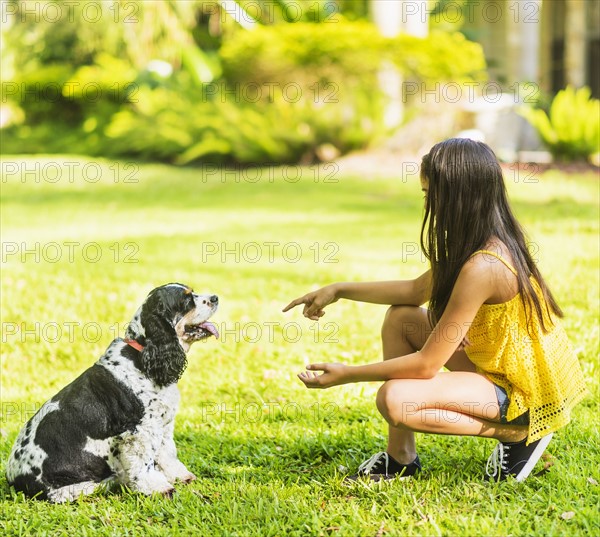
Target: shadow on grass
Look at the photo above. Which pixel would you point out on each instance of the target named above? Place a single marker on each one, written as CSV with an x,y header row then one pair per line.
x,y
321,457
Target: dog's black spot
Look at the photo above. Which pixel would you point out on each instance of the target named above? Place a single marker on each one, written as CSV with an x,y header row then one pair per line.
x,y
36,471
17,454
28,484
95,405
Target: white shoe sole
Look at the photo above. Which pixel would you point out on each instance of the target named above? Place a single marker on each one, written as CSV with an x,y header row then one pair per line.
x,y
535,456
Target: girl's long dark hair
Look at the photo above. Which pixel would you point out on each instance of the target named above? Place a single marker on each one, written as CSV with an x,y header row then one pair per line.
x,y
466,205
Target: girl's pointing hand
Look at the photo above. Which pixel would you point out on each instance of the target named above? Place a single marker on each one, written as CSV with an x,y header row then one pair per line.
x,y
315,302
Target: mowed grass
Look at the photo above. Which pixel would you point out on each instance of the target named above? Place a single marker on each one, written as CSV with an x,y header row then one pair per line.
x,y
270,455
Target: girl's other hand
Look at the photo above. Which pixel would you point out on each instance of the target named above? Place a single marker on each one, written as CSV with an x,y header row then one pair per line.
x,y
315,302
333,375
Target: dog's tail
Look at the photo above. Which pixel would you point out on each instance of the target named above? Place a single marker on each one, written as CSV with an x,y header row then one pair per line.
x,y
30,486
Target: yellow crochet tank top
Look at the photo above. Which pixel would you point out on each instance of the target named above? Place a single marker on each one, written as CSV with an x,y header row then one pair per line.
x,y
539,371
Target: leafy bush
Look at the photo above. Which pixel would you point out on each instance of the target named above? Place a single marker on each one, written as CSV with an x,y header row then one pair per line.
x,y
439,57
345,51
187,125
303,53
571,130
278,93
286,91
39,93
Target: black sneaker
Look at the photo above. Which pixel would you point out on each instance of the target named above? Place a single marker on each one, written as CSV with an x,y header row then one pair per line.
x,y
514,459
383,466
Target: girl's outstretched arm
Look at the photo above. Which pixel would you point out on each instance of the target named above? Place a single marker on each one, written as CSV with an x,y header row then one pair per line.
x,y
476,283
402,292
406,292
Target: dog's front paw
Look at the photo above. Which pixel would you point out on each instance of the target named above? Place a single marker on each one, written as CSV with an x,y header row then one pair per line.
x,y
175,470
169,493
153,483
188,478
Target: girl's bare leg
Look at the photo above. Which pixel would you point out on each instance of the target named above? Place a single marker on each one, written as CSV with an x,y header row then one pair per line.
x,y
404,331
458,403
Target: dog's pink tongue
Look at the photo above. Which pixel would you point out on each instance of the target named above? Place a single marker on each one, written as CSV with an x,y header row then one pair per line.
x,y
211,328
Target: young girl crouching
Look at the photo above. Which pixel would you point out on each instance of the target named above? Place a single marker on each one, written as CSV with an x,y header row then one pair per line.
x,y
513,375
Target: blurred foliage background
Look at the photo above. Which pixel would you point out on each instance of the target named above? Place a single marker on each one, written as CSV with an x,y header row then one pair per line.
x,y
184,82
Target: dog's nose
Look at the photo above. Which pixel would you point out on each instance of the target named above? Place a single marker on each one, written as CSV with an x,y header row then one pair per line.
x,y
214,299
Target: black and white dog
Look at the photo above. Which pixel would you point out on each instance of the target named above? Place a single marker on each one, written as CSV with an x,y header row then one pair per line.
x,y
114,423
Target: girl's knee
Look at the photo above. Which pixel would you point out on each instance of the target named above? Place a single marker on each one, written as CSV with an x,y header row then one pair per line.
x,y
406,323
382,399
398,316
391,403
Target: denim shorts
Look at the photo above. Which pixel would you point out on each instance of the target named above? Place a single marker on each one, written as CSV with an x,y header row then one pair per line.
x,y
503,402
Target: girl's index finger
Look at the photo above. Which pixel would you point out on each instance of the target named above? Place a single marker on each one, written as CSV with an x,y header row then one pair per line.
x,y
293,304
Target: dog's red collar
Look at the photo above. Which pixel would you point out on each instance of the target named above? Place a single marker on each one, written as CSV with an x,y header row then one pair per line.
x,y
133,343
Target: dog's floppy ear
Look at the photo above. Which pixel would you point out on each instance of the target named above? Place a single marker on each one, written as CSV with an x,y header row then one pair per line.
x,y
163,359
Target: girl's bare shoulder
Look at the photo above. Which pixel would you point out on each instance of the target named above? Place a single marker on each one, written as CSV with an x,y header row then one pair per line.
x,y
501,278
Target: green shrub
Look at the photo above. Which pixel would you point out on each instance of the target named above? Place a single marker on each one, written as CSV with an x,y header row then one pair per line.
x,y
322,79
39,93
272,95
303,53
571,130
335,69
184,126
441,56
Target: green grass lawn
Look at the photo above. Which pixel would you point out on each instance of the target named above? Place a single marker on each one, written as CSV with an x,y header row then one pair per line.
x,y
269,454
